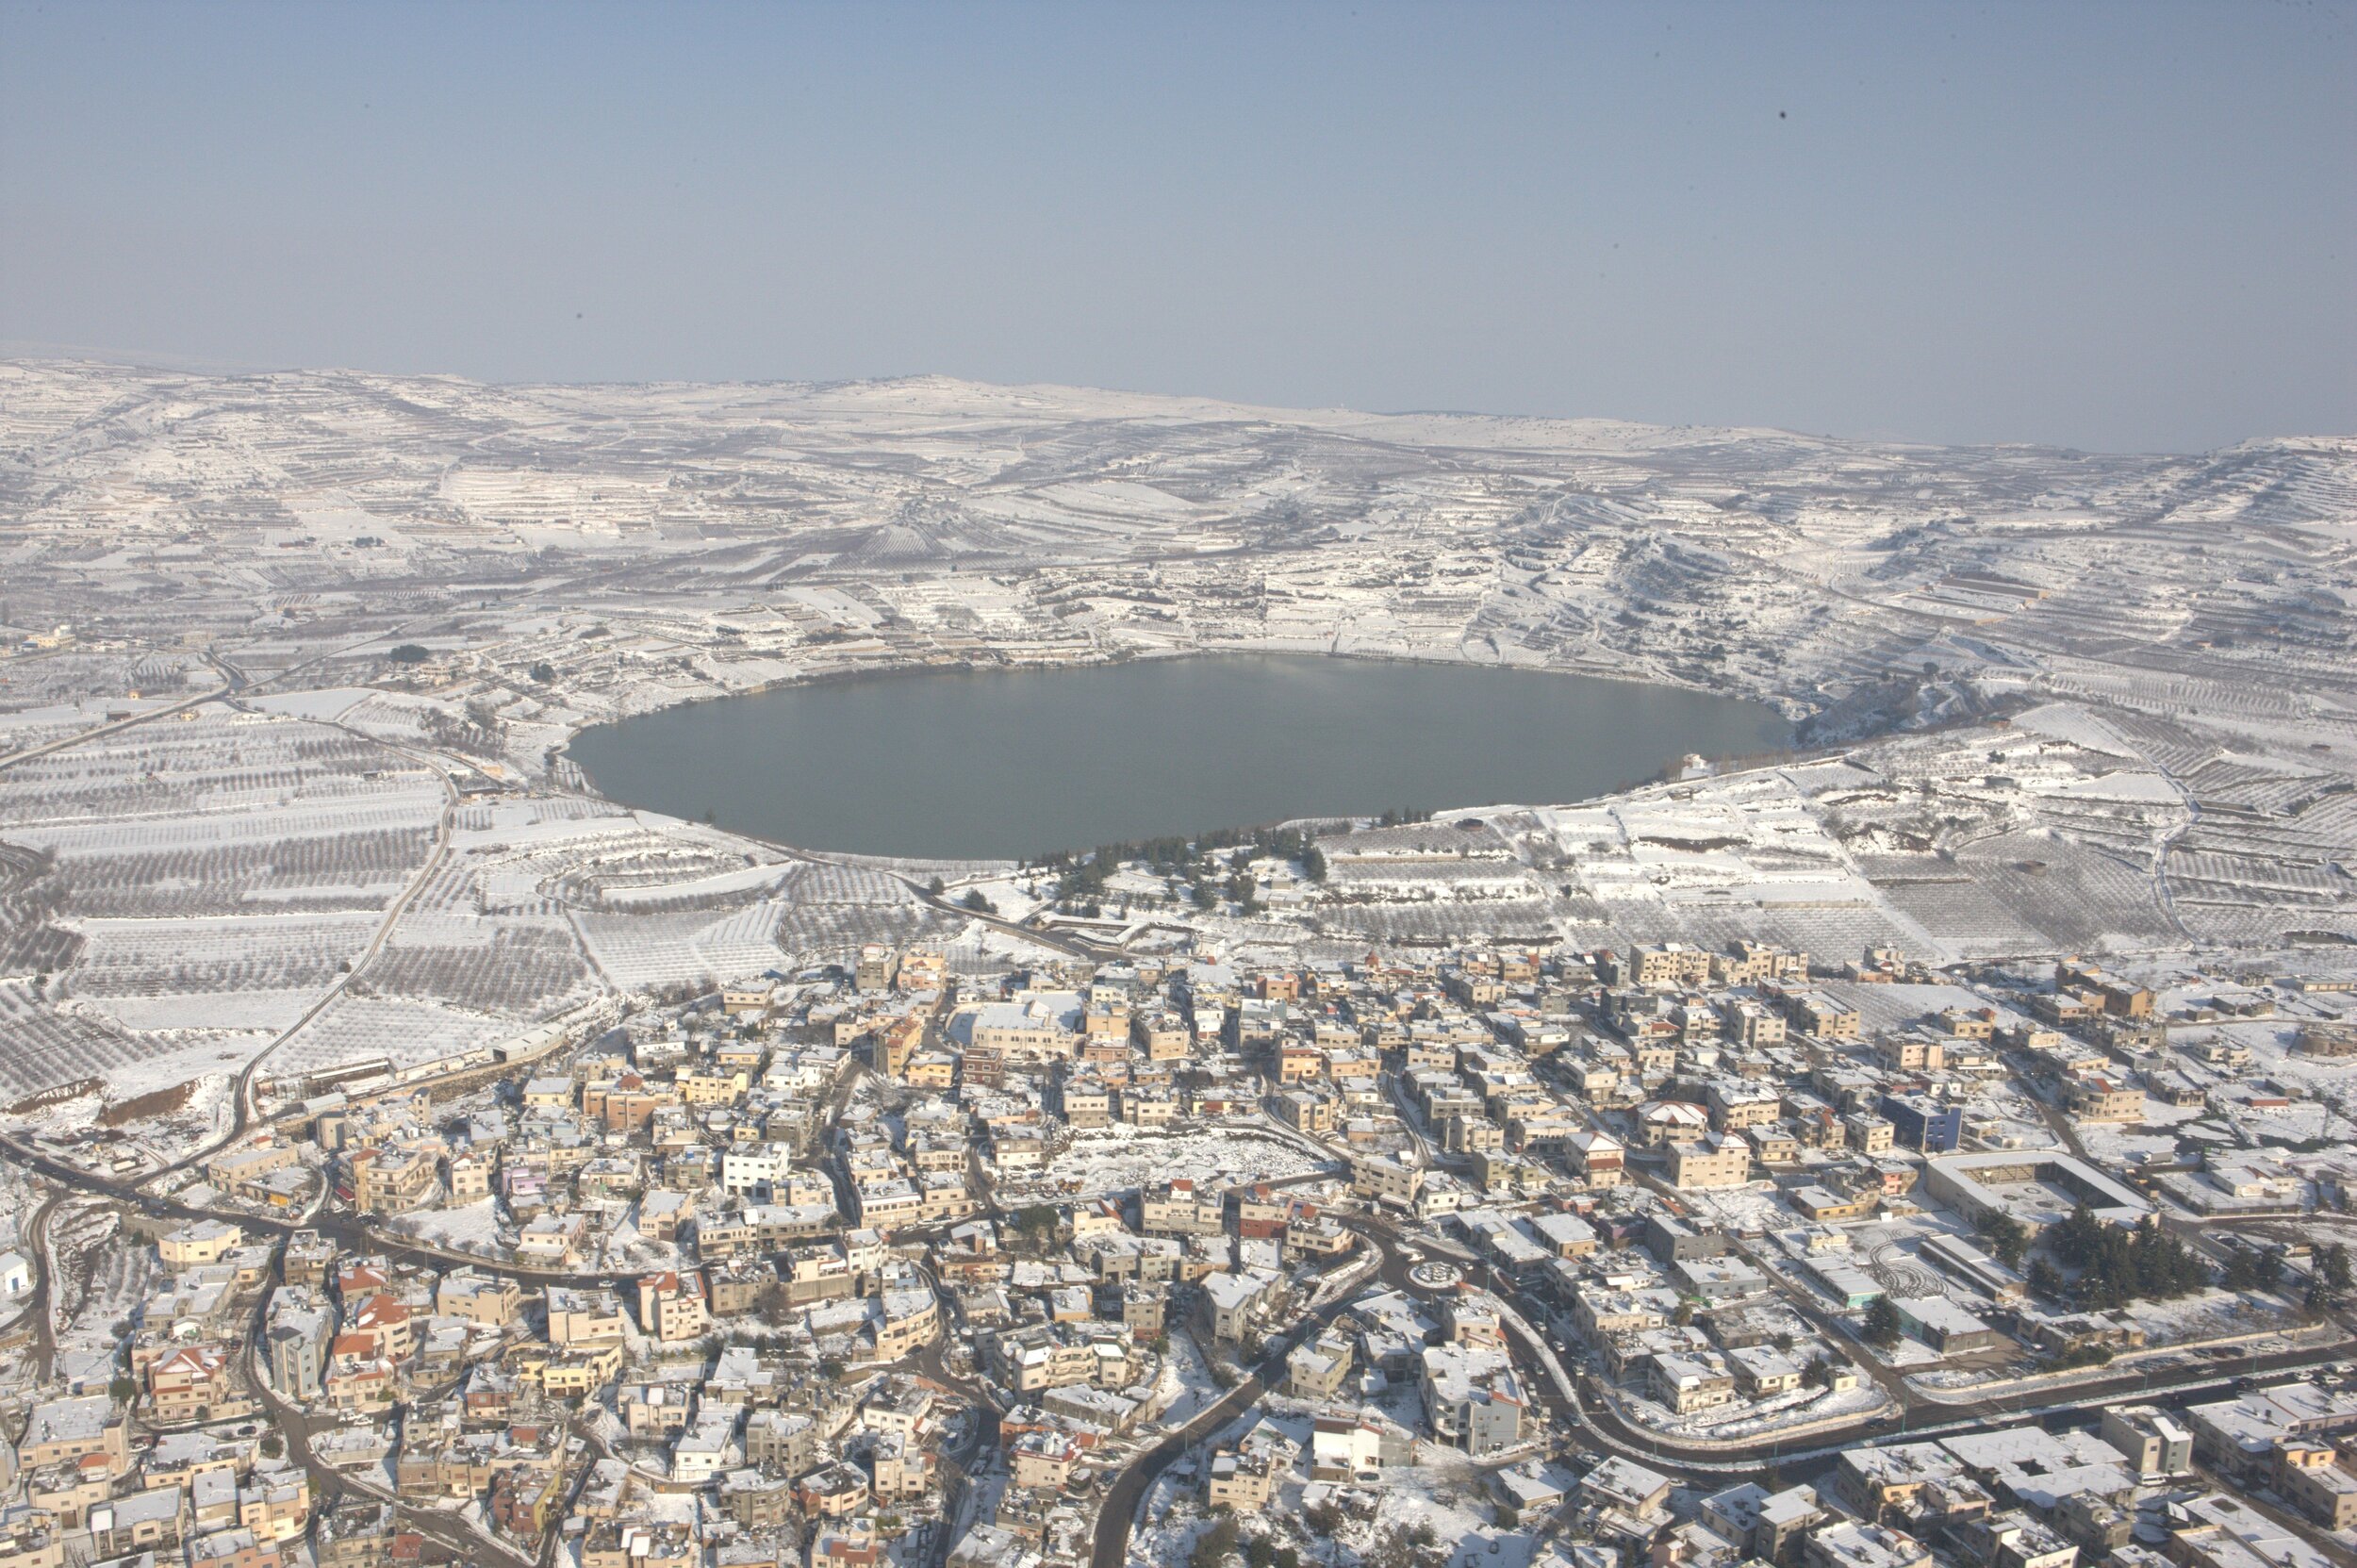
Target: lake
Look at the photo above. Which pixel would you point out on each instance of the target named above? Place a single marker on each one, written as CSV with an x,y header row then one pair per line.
x,y
1014,764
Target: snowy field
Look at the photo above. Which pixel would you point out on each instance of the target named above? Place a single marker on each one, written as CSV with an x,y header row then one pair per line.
x,y
1124,1159
2138,735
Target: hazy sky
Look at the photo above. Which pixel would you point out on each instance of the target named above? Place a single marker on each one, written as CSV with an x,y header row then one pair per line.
x,y
2124,227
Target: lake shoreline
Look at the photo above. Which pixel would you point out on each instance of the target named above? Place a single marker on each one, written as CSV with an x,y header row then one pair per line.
x,y
977,769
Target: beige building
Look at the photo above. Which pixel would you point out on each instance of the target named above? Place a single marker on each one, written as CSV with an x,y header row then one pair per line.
x,y
1869,1134
1043,1460
1385,1180
1687,1384
585,1317
1813,1013
2310,1475
1164,1035
1180,1208
1750,1025
1669,964
1911,1053
1304,1110
2103,1098
672,1305
469,1177
72,1429
1597,1157
1239,1480
485,1299
1711,1162
1032,1030
912,1319
198,1243
1739,1105
393,1181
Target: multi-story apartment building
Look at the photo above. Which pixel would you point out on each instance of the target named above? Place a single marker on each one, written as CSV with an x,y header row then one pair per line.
x,y
1711,1162
673,1306
393,1181
1181,1207
190,1383
1386,1180
585,1317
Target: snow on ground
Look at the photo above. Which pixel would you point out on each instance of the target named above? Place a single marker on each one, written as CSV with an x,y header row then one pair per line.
x,y
117,1281
1886,1009
1747,1211
356,1028
2239,1322
1800,1407
469,1228
2120,1145
2210,1315
183,1054
1445,1492
1122,1159
331,703
1186,1386
1451,1495
256,1013
2222,1357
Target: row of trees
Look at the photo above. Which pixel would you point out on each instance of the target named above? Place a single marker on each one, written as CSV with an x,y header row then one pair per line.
x,y
2005,1237
2116,1264
2121,1264
1171,854
1082,880
2252,1270
2328,1277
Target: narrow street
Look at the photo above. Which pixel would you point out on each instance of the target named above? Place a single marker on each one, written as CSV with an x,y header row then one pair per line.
x,y
42,1306
327,1483
1118,1512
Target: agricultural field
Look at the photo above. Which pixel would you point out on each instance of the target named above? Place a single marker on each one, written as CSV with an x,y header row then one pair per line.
x,y
2114,714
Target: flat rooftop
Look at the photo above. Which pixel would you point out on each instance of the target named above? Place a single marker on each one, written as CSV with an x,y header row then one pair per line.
x,y
2037,1187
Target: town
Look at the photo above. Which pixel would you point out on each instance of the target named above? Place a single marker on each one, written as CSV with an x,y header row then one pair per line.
x,y
1927,1144
1158,785
1667,1255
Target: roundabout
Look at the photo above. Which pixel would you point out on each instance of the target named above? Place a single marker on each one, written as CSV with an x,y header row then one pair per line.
x,y
1435,1275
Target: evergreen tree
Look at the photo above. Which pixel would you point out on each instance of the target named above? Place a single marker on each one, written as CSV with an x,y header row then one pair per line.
x,y
2006,1236
1213,1546
1882,1323
2120,1263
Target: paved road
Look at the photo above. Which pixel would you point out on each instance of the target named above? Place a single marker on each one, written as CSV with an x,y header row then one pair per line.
x,y
1119,1510
233,682
351,1232
244,1098
327,1482
43,1306
1120,1507
960,1464
112,726
1601,1426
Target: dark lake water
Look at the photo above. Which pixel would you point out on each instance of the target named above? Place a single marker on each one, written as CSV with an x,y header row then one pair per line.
x,y
996,764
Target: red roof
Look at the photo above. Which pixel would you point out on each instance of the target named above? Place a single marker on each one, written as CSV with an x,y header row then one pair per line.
x,y
380,1310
